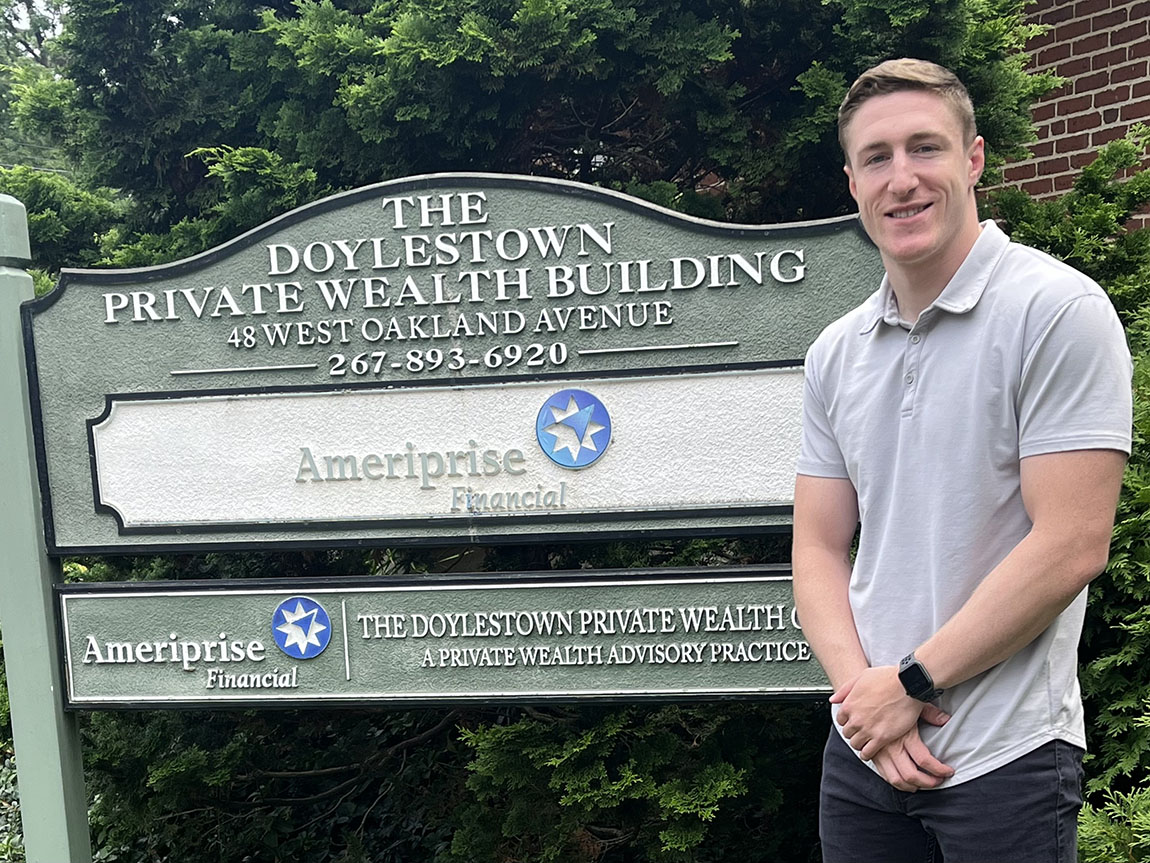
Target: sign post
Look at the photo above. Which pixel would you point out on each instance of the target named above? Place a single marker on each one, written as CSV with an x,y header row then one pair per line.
x,y
53,805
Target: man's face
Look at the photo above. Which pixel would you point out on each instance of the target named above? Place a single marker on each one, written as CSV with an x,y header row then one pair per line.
x,y
911,173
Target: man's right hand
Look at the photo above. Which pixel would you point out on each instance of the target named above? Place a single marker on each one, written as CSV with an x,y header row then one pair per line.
x,y
907,764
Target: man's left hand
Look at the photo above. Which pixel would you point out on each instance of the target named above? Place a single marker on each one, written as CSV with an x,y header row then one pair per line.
x,y
875,710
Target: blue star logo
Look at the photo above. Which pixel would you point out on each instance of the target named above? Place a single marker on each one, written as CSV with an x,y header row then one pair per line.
x,y
573,428
301,627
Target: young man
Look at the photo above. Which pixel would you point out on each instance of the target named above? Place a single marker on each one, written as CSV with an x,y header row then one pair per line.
x,y
974,415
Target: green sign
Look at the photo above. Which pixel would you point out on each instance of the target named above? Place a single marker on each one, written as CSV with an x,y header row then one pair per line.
x,y
611,635
444,358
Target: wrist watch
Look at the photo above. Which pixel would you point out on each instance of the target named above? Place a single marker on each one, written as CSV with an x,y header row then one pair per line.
x,y
916,680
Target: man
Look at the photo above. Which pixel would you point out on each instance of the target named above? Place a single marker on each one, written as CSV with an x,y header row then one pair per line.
x,y
974,415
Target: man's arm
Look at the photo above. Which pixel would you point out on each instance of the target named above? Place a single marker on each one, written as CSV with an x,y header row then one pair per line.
x,y
1070,498
826,515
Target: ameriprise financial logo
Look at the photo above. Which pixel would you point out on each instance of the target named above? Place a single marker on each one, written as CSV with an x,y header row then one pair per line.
x,y
573,429
301,627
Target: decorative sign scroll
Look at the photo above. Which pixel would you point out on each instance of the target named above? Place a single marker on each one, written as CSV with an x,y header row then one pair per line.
x,y
652,634
442,358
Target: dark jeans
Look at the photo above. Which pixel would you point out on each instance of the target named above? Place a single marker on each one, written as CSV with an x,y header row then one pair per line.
x,y
1024,812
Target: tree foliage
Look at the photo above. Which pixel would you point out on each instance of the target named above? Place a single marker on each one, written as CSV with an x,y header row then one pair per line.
x,y
1118,828
737,97
65,221
28,29
27,60
672,783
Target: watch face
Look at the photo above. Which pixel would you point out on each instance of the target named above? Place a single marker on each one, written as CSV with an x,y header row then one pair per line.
x,y
914,680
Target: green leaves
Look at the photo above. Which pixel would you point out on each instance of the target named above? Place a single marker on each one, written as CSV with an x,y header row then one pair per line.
x,y
65,221
739,95
1118,829
669,782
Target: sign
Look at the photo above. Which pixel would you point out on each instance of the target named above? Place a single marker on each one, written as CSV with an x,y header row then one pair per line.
x,y
448,358
611,635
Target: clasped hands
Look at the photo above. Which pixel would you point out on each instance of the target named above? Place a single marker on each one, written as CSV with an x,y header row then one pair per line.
x,y
881,721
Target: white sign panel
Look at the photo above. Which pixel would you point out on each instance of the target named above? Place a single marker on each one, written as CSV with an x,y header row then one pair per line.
x,y
508,451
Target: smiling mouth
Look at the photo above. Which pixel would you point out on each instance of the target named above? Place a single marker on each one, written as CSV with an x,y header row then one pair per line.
x,y
908,212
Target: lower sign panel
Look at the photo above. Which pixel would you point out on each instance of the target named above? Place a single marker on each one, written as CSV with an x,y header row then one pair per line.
x,y
619,635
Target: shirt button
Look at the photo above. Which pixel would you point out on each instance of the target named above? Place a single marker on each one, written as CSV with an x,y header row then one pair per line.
x,y
915,339
909,380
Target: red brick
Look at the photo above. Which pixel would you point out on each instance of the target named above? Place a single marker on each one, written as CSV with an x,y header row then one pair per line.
x,y
1133,33
1127,73
1110,115
1043,112
1109,19
1073,68
1135,111
1090,44
1053,166
1063,182
1140,10
1071,143
1046,148
1105,136
1083,121
1039,41
1081,160
1091,82
1058,127
1138,49
1086,8
1039,187
1073,106
1056,14
1072,29
1106,59
1053,54
1142,88
1023,171
1109,97
1043,132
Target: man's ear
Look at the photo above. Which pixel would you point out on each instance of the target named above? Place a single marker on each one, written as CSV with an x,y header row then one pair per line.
x,y
851,180
977,159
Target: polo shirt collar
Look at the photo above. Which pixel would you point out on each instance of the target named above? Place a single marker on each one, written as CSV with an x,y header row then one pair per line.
x,y
961,293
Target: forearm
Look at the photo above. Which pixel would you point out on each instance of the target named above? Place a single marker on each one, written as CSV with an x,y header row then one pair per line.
x,y
1071,499
1016,601
821,581
1012,606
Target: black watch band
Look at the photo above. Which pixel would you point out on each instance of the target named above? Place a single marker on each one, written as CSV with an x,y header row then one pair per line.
x,y
916,680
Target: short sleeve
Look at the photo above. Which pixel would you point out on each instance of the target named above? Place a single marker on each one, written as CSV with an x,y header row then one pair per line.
x,y
1075,387
819,452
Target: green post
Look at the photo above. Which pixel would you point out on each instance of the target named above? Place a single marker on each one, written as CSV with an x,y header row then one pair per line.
x,y
53,805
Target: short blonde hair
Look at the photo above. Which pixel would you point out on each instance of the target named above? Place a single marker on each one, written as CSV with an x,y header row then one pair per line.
x,y
893,76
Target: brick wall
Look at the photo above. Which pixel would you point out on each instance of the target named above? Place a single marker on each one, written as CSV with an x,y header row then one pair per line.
x,y
1102,48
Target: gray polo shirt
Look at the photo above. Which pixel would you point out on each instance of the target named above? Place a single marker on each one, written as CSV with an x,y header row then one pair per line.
x,y
1020,355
